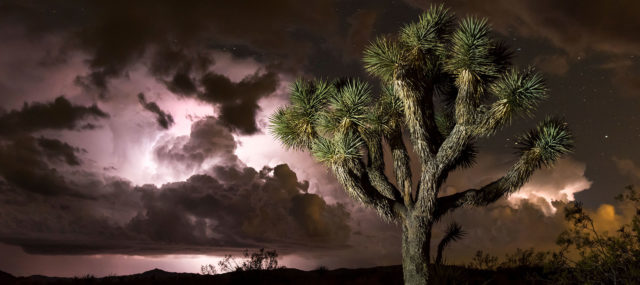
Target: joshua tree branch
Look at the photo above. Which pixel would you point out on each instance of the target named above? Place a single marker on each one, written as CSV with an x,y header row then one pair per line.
x,y
425,136
436,171
517,176
418,110
401,166
375,169
357,184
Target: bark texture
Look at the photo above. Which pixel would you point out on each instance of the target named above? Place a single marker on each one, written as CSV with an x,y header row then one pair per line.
x,y
416,238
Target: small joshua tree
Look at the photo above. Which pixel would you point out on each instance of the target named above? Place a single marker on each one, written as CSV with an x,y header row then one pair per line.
x,y
444,83
453,233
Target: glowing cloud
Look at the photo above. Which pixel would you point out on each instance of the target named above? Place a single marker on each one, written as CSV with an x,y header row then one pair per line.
x,y
559,183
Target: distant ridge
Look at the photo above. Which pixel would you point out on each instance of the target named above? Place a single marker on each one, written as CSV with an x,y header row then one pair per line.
x,y
383,275
6,277
155,272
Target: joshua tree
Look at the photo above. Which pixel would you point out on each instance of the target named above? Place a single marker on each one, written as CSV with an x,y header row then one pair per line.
x,y
443,83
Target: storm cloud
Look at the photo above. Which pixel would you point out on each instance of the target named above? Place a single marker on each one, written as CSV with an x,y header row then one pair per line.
x,y
209,139
165,120
52,207
57,115
202,214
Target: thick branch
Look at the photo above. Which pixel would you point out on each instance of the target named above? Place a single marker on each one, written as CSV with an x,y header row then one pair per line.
x,y
517,176
436,171
492,117
401,166
454,145
357,184
419,116
467,101
375,169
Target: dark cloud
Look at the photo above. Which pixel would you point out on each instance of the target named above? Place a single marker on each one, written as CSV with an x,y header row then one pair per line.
x,y
24,165
57,115
165,120
238,101
182,84
167,60
177,49
258,209
265,208
30,163
360,31
57,150
116,34
552,64
209,138
48,208
625,75
627,167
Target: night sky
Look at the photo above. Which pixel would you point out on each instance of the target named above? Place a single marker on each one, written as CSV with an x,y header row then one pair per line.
x,y
134,134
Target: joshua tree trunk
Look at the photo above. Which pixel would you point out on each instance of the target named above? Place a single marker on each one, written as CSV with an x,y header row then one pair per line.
x,y
416,237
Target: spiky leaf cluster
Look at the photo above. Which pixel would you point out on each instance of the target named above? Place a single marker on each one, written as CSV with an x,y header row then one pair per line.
x,y
453,233
471,49
547,142
348,109
418,51
337,150
382,57
296,125
519,92
467,157
424,41
387,117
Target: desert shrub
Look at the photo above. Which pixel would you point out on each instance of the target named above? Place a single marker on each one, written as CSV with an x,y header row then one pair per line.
x,y
483,261
208,269
525,258
259,260
603,258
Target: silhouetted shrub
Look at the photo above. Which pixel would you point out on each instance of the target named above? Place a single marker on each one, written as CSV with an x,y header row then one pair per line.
x,y
484,261
259,260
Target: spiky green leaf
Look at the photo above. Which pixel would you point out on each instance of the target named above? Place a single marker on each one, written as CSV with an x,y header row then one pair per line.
x,y
292,128
310,96
471,49
428,33
337,150
519,92
547,142
387,117
296,126
381,57
349,108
